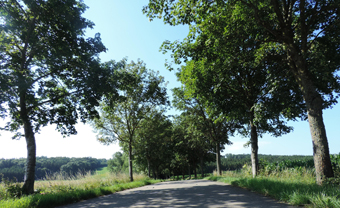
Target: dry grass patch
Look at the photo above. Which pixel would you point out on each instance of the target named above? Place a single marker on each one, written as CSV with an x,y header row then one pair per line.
x,y
60,181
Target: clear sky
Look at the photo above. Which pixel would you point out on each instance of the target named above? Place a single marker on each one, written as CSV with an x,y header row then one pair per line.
x,y
126,32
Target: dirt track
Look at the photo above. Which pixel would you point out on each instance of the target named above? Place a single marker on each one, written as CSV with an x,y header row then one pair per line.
x,y
189,193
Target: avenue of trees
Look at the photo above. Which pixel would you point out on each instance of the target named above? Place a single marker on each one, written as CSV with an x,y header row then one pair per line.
x,y
239,55
119,164
247,67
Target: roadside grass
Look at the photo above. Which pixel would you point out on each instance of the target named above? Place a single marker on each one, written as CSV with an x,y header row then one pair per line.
x,y
293,186
60,189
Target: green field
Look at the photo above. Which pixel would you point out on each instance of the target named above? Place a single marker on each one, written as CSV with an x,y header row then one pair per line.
x,y
103,170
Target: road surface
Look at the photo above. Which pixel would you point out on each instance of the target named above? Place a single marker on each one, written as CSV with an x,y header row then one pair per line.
x,y
188,193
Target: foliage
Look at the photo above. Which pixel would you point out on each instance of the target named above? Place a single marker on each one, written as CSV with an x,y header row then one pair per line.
x,y
11,188
336,163
230,72
119,163
154,145
50,73
206,128
298,31
335,159
141,90
48,59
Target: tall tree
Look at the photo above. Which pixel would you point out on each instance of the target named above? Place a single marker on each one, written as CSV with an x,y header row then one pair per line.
x,y
306,29
152,146
234,74
215,126
118,163
182,148
50,74
242,93
303,29
141,90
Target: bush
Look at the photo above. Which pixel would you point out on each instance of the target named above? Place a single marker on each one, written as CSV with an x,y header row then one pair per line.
x,y
10,188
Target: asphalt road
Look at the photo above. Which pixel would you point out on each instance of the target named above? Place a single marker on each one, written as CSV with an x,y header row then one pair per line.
x,y
188,193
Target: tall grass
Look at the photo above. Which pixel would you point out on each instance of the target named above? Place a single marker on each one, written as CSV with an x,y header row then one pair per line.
x,y
296,186
59,189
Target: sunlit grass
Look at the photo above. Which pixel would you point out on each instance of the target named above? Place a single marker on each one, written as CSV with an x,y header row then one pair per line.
x,y
60,189
84,181
293,186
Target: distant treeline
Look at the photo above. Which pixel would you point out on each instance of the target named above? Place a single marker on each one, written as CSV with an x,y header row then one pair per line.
x,y
119,163
15,168
236,162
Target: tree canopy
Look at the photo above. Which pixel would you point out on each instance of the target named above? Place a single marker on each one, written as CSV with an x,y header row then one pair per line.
x,y
141,90
302,29
50,74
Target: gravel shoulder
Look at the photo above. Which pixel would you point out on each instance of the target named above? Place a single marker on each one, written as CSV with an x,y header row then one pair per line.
x,y
188,193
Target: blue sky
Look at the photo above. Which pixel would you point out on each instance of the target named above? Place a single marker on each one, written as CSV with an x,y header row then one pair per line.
x,y
126,32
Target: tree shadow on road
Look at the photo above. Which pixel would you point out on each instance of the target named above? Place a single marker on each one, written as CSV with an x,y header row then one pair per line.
x,y
194,193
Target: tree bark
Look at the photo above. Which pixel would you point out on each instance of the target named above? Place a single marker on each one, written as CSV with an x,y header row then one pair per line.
x,y
130,161
314,101
254,147
218,159
28,187
195,172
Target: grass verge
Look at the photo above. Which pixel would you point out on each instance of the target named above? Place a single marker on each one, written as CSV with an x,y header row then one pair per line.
x,y
293,187
53,193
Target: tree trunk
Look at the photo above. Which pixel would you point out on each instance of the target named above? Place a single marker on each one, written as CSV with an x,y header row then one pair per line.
x,y
322,161
195,171
148,167
218,159
154,173
254,147
130,161
183,173
202,167
189,169
28,187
